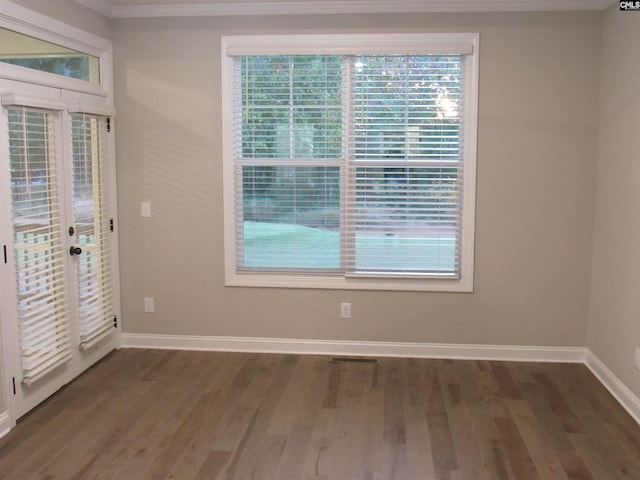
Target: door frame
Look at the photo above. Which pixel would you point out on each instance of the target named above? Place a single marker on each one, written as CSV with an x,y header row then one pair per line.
x,y
78,95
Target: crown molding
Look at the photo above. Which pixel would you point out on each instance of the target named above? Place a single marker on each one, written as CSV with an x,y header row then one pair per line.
x,y
227,8
100,6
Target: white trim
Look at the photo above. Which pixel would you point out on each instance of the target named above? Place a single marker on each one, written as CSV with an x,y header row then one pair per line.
x,y
344,282
25,75
89,108
619,390
225,8
5,424
356,348
12,99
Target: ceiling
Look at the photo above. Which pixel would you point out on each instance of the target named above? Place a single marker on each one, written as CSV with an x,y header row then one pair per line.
x,y
170,8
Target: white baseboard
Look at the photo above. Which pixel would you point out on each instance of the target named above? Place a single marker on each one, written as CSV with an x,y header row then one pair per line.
x,y
619,390
5,424
357,348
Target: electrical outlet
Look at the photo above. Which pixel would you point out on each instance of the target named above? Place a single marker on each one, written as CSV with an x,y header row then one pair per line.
x,y
637,362
345,310
149,306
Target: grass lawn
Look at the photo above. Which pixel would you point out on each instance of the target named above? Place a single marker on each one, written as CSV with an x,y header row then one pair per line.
x,y
275,245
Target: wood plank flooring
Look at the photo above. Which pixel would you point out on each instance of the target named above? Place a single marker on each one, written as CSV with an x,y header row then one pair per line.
x,y
149,414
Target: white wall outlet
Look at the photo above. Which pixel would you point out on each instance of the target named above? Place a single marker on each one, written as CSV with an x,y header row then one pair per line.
x,y
149,305
345,310
637,362
145,209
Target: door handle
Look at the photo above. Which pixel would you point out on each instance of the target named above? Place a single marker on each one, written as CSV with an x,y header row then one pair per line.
x,y
75,251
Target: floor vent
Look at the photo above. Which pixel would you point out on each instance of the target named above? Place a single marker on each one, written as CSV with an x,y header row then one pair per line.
x,y
353,360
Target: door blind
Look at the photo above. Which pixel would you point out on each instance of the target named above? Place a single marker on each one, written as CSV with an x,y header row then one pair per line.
x,y
93,232
38,243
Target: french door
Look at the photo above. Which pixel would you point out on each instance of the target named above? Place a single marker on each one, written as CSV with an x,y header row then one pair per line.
x,y
59,296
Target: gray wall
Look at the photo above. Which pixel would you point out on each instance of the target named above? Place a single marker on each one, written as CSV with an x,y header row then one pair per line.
x,y
539,81
614,326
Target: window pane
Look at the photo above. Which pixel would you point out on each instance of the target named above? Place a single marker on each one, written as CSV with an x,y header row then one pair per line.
x,y
405,220
290,218
291,106
29,52
406,107
405,153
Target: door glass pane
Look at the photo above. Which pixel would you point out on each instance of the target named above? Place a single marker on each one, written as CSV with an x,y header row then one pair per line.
x,y
39,252
91,202
29,52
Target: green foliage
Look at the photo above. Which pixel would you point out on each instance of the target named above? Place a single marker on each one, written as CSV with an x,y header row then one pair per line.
x,y
74,66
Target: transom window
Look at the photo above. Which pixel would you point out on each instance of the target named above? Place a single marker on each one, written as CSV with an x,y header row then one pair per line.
x,y
350,161
26,51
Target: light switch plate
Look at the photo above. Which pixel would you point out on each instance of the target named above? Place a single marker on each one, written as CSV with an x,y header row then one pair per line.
x,y
145,209
149,306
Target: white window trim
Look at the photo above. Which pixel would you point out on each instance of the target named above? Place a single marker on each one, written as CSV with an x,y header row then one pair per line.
x,y
28,22
344,44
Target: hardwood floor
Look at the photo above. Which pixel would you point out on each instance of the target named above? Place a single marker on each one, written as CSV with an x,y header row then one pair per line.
x,y
148,414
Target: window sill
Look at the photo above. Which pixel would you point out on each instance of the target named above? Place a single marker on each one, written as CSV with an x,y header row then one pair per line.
x,y
339,282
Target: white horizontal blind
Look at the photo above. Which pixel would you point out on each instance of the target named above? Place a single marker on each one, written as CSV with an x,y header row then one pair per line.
x,y
404,154
349,164
288,117
39,253
92,228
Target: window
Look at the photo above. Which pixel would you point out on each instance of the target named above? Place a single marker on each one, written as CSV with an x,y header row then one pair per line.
x,y
36,54
349,160
53,54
